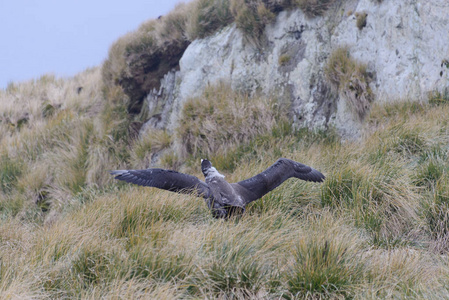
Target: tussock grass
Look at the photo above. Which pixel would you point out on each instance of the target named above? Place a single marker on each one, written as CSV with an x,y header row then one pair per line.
x,y
439,97
350,79
251,17
284,59
207,17
54,156
218,121
376,228
361,20
380,200
314,8
149,144
10,170
327,262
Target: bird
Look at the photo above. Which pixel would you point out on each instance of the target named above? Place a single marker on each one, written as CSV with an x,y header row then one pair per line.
x,y
222,198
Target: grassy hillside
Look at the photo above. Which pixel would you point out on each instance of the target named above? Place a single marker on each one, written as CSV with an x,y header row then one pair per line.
x,y
376,228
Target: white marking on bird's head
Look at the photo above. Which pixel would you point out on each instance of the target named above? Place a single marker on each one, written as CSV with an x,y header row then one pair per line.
x,y
212,172
208,170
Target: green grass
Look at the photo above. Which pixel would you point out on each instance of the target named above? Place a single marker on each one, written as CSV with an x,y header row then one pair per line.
x,y
324,265
438,97
10,170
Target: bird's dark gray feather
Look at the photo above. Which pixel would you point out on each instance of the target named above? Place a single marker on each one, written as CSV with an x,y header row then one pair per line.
x,y
283,169
164,179
223,198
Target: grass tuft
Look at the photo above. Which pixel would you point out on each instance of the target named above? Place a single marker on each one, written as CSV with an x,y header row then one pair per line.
x,y
350,79
208,16
10,171
439,98
284,59
217,121
361,20
251,17
314,8
326,264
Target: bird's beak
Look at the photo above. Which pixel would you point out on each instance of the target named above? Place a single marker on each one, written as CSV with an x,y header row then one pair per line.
x,y
202,160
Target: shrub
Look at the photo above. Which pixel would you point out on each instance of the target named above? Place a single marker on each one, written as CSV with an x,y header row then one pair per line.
x,y
350,79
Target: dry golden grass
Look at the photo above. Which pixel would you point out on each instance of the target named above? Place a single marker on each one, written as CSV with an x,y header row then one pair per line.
x,y
62,148
350,79
150,144
376,228
220,120
207,17
314,8
361,20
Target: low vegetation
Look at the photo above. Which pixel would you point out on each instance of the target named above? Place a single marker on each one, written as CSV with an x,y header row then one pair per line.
x,y
314,8
376,228
350,79
361,20
219,123
284,59
251,17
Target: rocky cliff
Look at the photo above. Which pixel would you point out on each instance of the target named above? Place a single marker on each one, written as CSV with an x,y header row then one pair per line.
x,y
403,44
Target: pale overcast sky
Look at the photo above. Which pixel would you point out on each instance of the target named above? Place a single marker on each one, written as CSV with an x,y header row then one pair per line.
x,y
65,37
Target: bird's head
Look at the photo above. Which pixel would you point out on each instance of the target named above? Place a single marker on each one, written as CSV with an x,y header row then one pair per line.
x,y
208,170
205,166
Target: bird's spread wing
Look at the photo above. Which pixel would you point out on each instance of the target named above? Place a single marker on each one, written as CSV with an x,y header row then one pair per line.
x,y
257,186
165,179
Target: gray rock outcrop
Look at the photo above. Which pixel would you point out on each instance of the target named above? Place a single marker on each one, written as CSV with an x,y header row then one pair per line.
x,y
404,44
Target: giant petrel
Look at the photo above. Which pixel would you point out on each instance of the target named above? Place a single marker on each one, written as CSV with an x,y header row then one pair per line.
x,y
223,199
